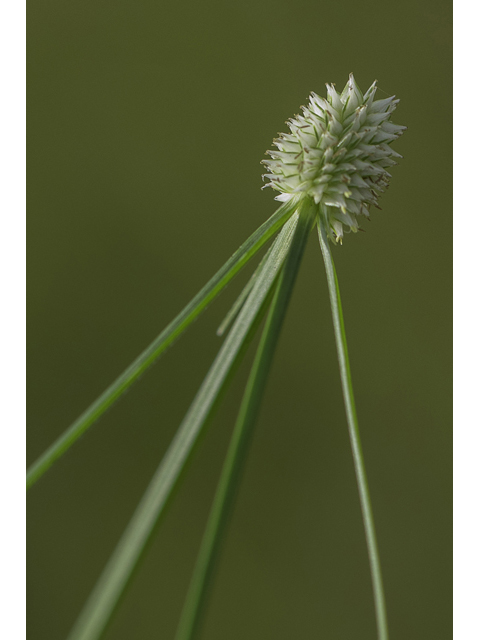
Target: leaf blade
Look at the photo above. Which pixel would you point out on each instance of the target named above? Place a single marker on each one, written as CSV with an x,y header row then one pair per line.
x,y
353,429
241,437
160,344
116,575
239,302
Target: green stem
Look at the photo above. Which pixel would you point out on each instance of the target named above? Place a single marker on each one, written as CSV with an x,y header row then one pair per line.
x,y
115,577
237,452
160,344
341,341
240,301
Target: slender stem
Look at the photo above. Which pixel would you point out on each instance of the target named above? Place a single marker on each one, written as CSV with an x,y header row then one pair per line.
x,y
104,598
160,344
368,522
238,449
240,301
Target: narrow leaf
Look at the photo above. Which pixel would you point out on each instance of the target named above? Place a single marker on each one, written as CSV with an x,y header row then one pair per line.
x,y
112,583
242,435
158,346
239,302
354,432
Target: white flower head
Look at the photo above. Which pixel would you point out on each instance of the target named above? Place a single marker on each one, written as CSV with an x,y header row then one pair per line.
x,y
337,153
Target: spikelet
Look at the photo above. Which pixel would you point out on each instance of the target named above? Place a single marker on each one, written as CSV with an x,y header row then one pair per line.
x,y
337,153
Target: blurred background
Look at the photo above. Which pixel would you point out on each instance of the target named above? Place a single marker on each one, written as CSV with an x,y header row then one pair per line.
x,y
147,124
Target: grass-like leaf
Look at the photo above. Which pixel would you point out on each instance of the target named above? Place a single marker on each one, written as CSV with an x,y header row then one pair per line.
x,y
239,302
224,497
349,400
158,346
103,599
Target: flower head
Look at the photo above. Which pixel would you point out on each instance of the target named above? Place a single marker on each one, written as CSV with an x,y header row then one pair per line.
x,y
337,153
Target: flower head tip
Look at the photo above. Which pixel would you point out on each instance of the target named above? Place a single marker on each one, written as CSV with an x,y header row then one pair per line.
x,y
337,152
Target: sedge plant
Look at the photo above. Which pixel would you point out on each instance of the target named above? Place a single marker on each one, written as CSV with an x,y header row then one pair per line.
x,y
329,171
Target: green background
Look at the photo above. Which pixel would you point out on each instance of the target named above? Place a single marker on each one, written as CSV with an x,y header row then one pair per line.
x,y
147,123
